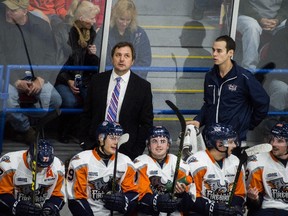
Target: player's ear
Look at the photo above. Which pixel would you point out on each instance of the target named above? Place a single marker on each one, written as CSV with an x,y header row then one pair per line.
x,y
101,137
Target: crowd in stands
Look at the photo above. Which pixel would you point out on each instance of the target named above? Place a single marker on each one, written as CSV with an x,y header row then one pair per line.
x,y
69,33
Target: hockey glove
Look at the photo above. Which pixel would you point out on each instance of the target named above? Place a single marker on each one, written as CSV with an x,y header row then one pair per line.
x,y
49,209
165,203
25,208
222,209
116,202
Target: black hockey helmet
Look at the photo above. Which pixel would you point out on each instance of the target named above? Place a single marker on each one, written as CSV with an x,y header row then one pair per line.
x,y
218,131
45,154
109,128
280,130
158,131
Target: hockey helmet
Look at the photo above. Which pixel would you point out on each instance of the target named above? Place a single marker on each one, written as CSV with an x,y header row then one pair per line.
x,y
45,153
218,131
109,128
159,131
280,130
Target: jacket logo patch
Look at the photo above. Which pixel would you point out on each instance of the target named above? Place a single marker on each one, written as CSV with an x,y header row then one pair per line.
x,y
232,87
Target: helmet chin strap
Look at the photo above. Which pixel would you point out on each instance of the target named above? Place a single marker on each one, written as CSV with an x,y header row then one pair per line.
x,y
226,151
102,152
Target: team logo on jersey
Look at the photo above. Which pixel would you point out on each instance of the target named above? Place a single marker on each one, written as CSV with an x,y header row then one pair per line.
x,y
217,191
157,186
232,87
5,159
279,189
25,192
192,159
101,186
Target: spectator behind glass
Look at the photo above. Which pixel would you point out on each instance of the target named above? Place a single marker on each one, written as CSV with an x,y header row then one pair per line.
x,y
81,37
277,83
40,44
54,9
123,27
99,17
61,33
255,18
200,6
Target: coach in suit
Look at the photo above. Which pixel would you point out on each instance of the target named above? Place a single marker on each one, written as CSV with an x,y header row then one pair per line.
x,y
135,109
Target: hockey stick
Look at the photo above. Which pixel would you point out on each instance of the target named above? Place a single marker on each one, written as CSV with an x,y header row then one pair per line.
x,y
39,128
182,133
123,139
260,148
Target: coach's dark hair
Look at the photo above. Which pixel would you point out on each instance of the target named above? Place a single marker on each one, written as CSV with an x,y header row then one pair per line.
x,y
230,43
124,44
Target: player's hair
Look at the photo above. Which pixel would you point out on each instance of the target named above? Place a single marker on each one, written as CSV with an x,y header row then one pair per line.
x,y
230,43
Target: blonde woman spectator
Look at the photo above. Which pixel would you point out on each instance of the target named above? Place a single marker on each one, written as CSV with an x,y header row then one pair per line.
x,y
83,52
123,27
99,17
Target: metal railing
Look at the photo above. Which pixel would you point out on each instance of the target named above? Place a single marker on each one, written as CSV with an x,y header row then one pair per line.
x,y
6,74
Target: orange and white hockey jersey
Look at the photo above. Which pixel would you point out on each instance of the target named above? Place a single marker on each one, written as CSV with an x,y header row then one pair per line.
x,y
16,178
155,179
89,178
213,182
270,177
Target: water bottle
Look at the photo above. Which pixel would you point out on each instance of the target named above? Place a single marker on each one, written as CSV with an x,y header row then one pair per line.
x,y
28,76
78,81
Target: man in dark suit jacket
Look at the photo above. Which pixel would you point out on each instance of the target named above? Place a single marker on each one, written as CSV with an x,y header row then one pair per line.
x,y
135,114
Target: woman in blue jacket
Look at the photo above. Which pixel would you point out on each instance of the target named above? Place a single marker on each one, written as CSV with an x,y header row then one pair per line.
x,y
123,27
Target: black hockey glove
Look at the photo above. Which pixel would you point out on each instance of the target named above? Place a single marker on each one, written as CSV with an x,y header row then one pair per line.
x,y
165,203
49,209
222,209
25,208
116,202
